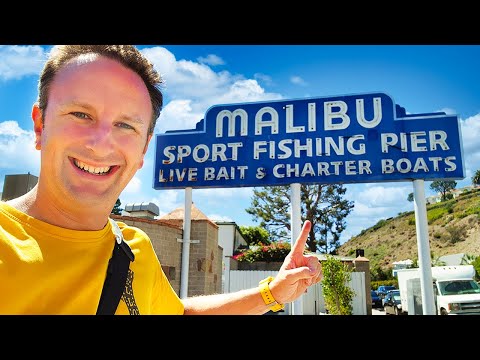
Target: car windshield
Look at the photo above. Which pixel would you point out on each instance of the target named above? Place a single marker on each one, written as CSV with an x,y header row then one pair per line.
x,y
396,295
456,287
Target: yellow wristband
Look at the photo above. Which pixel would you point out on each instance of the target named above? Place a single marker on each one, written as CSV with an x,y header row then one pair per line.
x,y
267,295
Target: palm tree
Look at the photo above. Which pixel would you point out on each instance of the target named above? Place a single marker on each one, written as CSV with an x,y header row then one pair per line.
x,y
467,259
476,178
437,262
434,261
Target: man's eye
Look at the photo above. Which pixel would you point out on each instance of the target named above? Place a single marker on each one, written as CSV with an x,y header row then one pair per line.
x,y
80,115
125,126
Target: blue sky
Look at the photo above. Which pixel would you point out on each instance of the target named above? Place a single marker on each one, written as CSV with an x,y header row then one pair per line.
x,y
421,78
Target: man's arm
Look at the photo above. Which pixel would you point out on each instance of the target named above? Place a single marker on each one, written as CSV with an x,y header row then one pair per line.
x,y
296,274
243,302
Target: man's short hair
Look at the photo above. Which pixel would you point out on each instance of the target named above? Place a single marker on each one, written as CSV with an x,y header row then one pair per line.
x,y
127,55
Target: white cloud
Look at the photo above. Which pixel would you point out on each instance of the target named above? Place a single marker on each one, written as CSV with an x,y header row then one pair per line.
x,y
11,128
186,79
203,87
134,186
448,111
382,196
374,202
297,80
168,200
364,212
364,215
178,115
247,91
470,129
14,141
19,61
211,59
263,78
238,192
163,60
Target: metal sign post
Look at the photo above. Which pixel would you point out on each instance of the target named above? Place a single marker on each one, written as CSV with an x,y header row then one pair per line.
x,y
421,223
296,226
186,243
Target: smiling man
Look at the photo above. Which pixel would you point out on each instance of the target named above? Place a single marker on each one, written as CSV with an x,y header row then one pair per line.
x,y
93,121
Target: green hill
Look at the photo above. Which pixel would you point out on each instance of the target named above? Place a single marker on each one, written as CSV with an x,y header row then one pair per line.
x,y
454,227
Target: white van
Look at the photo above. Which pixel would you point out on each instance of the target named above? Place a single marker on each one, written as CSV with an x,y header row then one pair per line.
x,y
455,289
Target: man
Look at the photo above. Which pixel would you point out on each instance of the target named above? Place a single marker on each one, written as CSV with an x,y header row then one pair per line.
x,y
93,121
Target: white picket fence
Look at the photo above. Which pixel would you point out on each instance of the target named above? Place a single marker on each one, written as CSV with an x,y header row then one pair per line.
x,y
313,302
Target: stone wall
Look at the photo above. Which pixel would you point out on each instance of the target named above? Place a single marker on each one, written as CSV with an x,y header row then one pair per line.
x,y
205,263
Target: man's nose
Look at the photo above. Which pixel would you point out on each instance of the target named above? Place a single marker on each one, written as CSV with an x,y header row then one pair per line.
x,y
101,140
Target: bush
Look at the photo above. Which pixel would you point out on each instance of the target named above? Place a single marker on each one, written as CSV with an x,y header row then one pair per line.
x,y
476,265
457,233
337,294
379,224
435,214
276,251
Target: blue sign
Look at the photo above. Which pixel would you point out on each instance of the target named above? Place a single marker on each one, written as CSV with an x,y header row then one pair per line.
x,y
341,139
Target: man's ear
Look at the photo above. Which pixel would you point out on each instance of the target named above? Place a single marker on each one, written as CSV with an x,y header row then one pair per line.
x,y
149,137
37,117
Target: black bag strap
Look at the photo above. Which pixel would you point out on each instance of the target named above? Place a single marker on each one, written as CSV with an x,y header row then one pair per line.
x,y
117,273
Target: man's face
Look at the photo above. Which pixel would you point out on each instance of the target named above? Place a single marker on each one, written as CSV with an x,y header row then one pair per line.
x,y
95,132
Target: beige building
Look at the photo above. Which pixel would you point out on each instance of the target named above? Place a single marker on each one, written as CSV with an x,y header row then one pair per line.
x,y
166,234
17,185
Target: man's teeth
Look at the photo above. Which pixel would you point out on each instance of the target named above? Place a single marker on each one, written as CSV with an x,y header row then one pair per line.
x,y
90,169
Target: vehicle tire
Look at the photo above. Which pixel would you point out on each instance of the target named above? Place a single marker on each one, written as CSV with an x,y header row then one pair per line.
x,y
443,312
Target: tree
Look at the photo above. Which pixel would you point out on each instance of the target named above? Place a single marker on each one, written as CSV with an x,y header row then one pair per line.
x,y
323,205
456,233
116,208
468,259
476,178
336,292
443,187
410,197
255,235
379,274
434,261
476,265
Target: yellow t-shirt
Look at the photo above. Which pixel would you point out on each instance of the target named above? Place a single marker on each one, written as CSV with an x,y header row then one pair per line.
x,y
45,269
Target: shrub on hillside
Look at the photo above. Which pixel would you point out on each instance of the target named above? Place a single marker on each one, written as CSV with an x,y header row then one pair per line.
x,y
456,233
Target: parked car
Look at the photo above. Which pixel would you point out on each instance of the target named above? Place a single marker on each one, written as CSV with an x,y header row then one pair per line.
x,y
376,300
382,290
393,303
